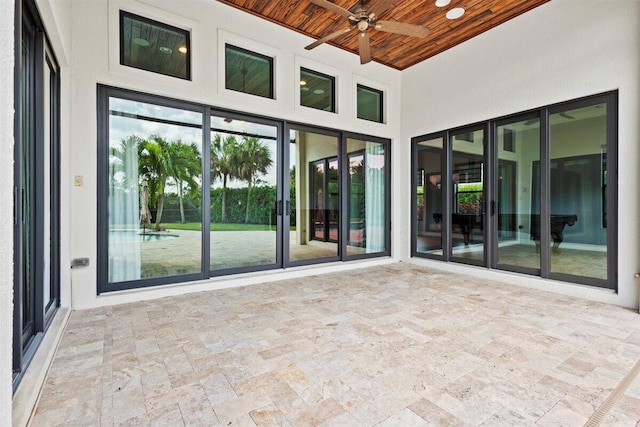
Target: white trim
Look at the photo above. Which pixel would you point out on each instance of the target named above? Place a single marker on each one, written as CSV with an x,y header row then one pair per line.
x,y
28,393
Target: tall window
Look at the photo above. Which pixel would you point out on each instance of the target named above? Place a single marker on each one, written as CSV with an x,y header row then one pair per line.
x,y
370,104
248,72
153,46
535,198
317,90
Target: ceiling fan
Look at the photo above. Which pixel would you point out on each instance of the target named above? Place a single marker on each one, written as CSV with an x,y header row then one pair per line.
x,y
362,17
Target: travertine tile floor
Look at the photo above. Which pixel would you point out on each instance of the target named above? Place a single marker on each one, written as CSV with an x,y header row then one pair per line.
x,y
392,345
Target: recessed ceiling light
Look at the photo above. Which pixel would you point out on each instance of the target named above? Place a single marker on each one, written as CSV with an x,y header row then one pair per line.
x,y
182,49
455,13
303,83
442,3
318,91
140,41
165,50
304,89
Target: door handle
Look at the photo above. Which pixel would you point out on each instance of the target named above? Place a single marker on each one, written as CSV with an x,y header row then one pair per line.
x,y
279,207
288,210
493,208
15,205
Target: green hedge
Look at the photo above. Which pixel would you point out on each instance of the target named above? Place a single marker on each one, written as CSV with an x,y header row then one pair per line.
x,y
262,209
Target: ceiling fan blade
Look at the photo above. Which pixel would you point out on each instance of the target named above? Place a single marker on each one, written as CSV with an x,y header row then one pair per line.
x,y
364,47
332,7
329,37
402,28
379,6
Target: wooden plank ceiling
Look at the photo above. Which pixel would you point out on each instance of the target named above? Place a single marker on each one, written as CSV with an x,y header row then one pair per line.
x,y
396,51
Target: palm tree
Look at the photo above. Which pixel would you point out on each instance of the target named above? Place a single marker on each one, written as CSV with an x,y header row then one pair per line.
x,y
155,166
254,157
124,164
185,167
224,164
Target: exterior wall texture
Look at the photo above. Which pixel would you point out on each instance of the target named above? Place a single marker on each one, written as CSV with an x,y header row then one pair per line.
x,y
6,208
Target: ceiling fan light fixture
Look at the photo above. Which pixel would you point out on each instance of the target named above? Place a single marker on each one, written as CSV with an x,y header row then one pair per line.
x,y
455,13
442,3
319,91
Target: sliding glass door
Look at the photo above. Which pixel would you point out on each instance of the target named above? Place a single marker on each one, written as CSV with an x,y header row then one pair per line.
x,y
245,225
532,196
187,192
312,208
428,206
36,188
151,213
580,190
466,220
367,201
517,190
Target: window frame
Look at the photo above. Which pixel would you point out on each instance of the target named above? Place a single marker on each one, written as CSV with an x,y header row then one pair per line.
x,y
187,33
258,55
332,80
379,92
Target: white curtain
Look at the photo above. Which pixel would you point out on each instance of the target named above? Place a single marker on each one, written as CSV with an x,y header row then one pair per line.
x,y
124,211
375,197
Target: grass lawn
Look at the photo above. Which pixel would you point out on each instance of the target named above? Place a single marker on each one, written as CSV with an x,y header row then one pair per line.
x,y
220,227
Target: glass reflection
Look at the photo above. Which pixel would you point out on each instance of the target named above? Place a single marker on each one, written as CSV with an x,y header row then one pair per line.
x,y
578,141
518,198
467,195
314,227
367,197
429,197
243,193
155,194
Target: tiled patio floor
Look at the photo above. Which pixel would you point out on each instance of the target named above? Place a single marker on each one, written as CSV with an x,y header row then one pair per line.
x,y
393,345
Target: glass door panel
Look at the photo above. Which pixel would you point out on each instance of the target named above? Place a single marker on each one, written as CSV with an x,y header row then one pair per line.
x,y
155,195
26,188
578,184
428,196
466,220
313,209
367,197
517,200
244,188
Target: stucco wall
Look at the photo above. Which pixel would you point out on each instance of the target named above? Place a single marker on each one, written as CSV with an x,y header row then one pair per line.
x,y
6,205
562,50
95,59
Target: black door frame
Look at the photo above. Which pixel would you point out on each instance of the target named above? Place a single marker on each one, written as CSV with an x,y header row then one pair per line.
x,y
490,177
25,343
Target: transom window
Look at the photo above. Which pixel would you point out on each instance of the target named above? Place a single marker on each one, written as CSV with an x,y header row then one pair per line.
x,y
370,105
153,46
317,90
248,72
